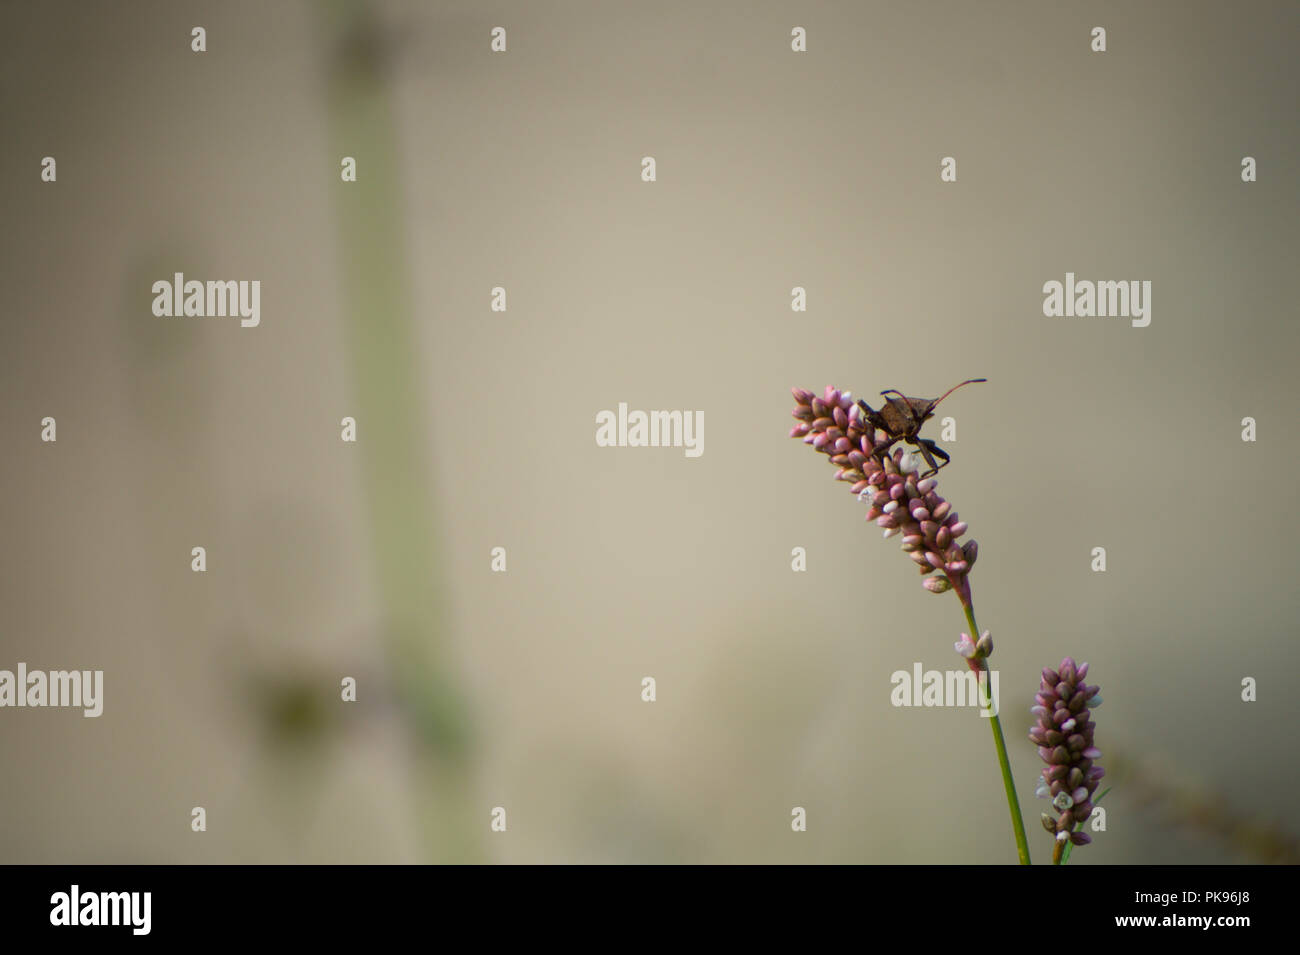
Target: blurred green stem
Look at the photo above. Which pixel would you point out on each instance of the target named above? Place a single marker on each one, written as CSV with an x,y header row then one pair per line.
x,y
392,435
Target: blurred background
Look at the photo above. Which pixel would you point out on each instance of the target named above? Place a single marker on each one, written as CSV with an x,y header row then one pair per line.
x,y
476,428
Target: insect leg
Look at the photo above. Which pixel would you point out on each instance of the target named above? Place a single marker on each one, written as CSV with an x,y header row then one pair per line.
x,y
928,450
882,449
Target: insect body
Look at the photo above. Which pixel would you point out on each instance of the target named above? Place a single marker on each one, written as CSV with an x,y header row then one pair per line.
x,y
901,419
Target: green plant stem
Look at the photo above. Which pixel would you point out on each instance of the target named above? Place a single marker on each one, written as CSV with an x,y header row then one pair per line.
x,y
995,724
388,376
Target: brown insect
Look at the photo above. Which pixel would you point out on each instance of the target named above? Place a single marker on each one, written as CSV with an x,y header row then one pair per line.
x,y
901,419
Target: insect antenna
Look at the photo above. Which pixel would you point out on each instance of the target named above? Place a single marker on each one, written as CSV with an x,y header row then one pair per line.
x,y
968,381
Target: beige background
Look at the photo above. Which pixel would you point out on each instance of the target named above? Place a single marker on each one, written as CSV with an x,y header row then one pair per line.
x,y
523,170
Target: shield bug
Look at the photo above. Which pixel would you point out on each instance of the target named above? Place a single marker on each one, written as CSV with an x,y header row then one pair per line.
x,y
901,419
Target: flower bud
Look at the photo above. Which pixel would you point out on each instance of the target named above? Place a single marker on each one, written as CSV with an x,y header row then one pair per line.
x,y
936,584
1063,734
